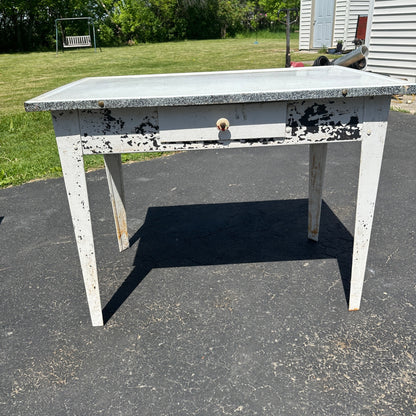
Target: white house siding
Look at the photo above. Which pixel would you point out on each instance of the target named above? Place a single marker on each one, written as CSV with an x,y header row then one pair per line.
x,y
392,42
346,15
340,23
305,21
345,21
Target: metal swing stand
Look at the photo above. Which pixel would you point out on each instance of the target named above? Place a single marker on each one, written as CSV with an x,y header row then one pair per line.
x,y
76,41
291,17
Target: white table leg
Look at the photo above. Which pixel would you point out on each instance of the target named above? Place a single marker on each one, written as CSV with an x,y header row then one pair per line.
x,y
116,188
70,151
372,145
317,161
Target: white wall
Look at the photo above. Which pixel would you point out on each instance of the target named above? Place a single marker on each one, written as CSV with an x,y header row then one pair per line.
x,y
305,21
345,22
346,15
392,41
340,24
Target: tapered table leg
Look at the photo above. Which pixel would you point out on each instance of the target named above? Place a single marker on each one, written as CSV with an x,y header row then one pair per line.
x,y
372,145
317,161
116,189
70,152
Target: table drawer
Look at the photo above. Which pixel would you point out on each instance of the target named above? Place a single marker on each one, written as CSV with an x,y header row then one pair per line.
x,y
198,123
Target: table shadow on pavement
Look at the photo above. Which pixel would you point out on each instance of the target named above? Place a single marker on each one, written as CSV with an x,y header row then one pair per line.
x,y
232,233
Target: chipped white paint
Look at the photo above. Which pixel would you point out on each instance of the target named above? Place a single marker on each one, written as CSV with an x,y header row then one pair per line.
x,y
325,120
70,152
252,125
119,130
317,161
116,189
372,146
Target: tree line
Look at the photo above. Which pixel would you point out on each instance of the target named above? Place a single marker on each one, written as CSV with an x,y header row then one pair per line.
x,y
27,25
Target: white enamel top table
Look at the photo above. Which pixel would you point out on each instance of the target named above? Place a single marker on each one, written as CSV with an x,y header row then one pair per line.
x,y
312,106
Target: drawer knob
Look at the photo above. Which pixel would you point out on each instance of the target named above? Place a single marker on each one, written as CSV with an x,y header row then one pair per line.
x,y
223,124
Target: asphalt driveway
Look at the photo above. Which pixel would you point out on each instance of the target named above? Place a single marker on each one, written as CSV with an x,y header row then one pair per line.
x,y
221,306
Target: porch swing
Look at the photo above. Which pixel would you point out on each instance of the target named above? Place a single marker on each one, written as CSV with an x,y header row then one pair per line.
x,y
80,41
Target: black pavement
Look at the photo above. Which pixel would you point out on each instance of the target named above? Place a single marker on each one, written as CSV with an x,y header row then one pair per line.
x,y
221,306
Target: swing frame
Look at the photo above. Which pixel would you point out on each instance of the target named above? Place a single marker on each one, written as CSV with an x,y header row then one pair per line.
x,y
78,41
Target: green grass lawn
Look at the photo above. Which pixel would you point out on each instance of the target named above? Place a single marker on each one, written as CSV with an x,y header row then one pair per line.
x,y
27,142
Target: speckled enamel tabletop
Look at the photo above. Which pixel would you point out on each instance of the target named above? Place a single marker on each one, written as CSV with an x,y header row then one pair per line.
x,y
217,88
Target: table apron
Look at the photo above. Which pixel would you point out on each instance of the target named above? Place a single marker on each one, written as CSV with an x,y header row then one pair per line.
x,y
132,130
